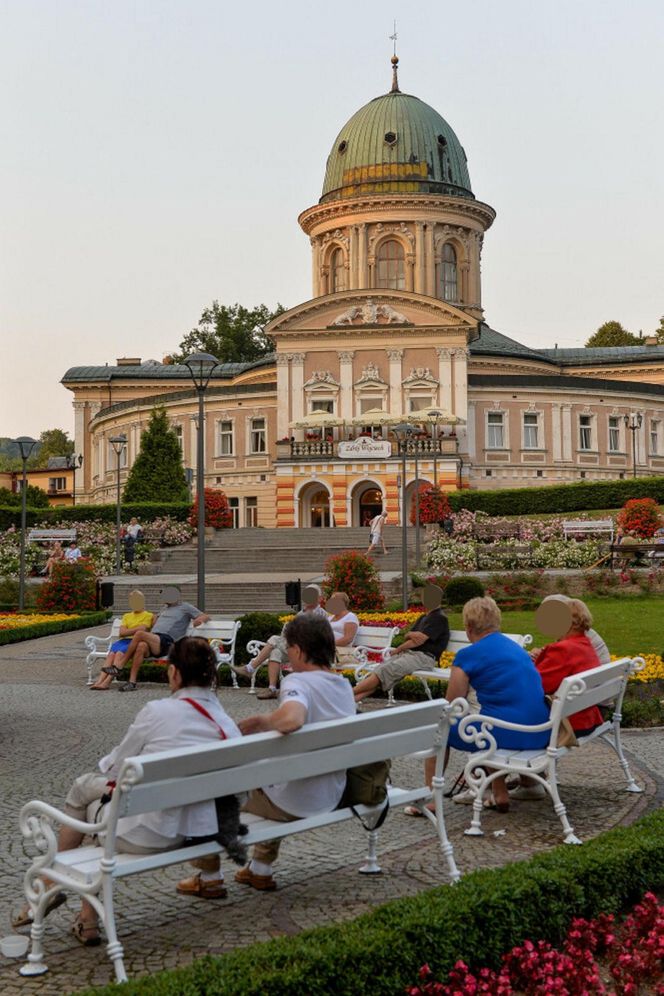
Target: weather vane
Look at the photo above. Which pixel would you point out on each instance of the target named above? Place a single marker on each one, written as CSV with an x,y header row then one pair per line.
x,y
393,38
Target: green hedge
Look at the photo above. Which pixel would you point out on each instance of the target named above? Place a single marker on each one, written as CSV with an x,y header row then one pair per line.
x,y
145,511
478,920
559,497
82,621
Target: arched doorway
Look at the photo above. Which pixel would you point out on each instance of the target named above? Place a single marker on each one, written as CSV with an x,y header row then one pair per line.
x,y
367,502
314,507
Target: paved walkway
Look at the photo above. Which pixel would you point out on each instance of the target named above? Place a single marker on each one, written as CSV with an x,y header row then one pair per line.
x,y
53,728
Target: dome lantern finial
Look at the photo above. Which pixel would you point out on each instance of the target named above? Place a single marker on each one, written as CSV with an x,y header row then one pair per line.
x,y
395,62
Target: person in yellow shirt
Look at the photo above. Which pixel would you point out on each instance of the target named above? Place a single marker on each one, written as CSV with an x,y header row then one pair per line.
x,y
137,618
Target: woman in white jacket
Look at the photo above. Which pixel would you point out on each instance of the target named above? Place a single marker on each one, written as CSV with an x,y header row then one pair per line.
x,y
191,715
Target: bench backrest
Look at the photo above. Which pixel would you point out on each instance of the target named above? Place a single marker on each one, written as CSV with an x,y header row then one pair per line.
x,y
588,526
601,684
223,630
181,777
458,640
377,637
48,535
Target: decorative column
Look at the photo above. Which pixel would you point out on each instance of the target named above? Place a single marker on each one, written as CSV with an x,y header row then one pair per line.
x,y
352,273
315,267
556,437
642,454
346,384
470,431
445,377
193,442
297,386
283,396
79,444
420,283
362,274
460,383
410,271
395,357
430,263
566,412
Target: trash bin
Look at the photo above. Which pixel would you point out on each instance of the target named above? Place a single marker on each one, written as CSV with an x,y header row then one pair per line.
x,y
293,595
105,594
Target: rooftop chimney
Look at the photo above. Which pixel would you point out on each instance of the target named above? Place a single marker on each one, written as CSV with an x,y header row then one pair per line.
x,y
128,361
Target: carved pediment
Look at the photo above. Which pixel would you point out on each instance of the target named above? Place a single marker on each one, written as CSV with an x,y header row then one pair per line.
x,y
371,313
370,375
320,378
420,375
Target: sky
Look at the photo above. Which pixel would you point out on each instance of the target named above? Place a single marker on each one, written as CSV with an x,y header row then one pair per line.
x,y
156,155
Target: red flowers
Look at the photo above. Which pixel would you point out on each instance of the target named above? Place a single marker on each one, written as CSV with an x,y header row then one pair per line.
x,y
640,517
356,575
70,588
217,510
633,952
434,505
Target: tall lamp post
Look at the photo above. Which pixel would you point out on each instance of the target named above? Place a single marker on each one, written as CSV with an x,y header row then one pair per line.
x,y
633,422
73,463
403,431
201,366
26,445
118,443
436,417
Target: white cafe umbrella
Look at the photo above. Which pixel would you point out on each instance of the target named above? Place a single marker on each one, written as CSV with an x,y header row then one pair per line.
x,y
375,416
317,420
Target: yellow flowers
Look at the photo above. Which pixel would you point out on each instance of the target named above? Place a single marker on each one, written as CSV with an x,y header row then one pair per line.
x,y
12,620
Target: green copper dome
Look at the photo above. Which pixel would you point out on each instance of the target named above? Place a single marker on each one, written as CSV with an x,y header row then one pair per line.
x,y
396,144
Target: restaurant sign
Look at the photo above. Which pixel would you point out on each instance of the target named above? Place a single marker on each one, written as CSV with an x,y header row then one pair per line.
x,y
364,448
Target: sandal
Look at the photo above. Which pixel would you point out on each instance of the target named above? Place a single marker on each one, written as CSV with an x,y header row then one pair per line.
x,y
416,811
86,932
24,917
111,669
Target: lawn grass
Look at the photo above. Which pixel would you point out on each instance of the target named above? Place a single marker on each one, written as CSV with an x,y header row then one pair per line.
x,y
629,625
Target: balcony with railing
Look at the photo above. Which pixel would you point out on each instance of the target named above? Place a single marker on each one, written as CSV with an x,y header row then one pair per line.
x,y
326,449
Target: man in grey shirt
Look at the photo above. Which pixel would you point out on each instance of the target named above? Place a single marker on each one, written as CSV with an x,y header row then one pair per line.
x,y
171,625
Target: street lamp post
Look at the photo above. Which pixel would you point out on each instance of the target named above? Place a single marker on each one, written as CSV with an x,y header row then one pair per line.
x,y
436,418
403,431
118,443
201,366
26,445
633,422
417,508
74,462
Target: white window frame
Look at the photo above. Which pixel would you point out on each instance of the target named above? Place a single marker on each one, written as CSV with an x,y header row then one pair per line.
x,y
614,430
234,505
526,430
321,405
57,484
489,426
251,511
225,435
583,428
179,432
655,427
255,434
423,401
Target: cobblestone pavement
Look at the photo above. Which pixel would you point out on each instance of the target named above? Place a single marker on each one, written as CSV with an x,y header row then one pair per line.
x,y
53,728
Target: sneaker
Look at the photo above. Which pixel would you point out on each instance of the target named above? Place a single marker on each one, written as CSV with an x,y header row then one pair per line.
x,y
242,670
264,883
195,886
465,798
268,693
528,792
129,686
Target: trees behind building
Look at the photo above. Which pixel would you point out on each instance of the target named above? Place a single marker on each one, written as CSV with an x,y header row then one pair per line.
x,y
232,333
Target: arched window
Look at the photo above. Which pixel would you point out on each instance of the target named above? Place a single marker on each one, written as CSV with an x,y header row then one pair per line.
x,y
337,272
390,266
448,273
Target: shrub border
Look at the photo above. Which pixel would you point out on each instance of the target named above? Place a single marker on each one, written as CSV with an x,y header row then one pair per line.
x,y
479,919
81,621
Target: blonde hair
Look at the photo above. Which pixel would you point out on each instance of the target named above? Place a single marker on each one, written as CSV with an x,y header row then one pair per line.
x,y
581,617
343,596
481,615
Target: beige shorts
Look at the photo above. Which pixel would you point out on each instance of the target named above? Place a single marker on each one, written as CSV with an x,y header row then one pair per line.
x,y
393,669
279,651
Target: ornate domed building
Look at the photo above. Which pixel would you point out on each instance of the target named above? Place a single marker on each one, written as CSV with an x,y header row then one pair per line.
x,y
395,325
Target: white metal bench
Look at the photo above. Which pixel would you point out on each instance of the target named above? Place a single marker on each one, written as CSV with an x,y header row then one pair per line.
x,y
179,777
221,634
598,686
457,640
368,640
577,527
51,535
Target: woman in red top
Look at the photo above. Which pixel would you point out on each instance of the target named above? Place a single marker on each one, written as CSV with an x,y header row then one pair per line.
x,y
572,654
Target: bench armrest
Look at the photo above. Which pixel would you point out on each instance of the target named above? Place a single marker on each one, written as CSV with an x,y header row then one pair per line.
x,y
254,647
476,729
97,643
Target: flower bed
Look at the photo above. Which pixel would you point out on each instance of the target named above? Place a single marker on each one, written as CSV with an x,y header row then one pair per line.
x,y
630,953
14,627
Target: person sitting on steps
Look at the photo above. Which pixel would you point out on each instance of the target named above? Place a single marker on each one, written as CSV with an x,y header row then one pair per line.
x,y
275,650
171,625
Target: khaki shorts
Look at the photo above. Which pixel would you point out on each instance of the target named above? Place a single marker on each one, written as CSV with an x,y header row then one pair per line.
x,y
393,669
279,651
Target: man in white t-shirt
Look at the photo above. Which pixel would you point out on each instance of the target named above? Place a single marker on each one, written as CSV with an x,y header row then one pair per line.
x,y
376,532
72,553
313,693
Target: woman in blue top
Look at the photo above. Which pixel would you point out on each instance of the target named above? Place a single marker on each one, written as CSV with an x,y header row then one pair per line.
x,y
505,681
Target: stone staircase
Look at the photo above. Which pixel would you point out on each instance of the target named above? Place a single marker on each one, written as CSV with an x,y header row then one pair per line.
x,y
263,551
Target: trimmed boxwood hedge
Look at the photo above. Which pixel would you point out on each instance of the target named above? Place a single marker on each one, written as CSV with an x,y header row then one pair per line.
x,y
145,511
478,919
559,497
82,621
